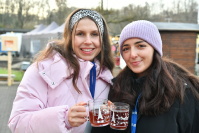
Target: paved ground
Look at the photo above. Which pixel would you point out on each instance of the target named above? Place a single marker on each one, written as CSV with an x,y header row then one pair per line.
x,y
7,95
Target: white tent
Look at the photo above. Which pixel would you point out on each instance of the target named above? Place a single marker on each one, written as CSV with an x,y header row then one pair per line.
x,y
59,29
49,28
36,30
38,38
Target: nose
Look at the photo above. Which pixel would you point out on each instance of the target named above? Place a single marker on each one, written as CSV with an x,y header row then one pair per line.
x,y
88,40
134,52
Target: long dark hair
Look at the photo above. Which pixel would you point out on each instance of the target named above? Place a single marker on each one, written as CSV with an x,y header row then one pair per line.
x,y
64,47
164,82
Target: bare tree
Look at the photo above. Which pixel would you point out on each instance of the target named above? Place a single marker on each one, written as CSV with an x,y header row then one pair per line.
x,y
62,11
27,13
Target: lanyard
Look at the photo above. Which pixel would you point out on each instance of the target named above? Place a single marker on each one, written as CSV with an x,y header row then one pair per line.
x,y
92,79
134,116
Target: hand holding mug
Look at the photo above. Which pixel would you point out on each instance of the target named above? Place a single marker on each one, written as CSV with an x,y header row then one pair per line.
x,y
77,114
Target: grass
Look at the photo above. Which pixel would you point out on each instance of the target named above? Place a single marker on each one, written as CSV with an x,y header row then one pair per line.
x,y
18,74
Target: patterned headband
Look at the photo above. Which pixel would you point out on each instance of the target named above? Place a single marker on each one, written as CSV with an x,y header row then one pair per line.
x,y
84,13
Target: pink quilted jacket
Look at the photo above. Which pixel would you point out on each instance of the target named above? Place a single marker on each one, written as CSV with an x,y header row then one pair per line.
x,y
46,93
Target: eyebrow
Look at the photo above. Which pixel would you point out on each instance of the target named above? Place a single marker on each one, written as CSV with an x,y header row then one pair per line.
x,y
139,42
80,30
134,43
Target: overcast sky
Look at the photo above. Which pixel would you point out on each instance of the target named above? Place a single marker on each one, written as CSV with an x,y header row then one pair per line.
x,y
115,4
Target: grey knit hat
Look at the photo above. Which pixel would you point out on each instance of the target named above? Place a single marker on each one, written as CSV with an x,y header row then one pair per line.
x,y
144,30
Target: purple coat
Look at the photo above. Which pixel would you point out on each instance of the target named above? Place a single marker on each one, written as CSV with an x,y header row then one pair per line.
x,y
46,93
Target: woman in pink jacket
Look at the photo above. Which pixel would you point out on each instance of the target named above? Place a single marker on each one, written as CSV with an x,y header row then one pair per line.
x,y
64,77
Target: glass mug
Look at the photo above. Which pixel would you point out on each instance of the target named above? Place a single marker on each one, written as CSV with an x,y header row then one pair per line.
x,y
119,114
99,113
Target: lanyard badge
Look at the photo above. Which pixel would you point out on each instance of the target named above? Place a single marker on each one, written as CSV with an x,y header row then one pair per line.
x,y
93,79
134,116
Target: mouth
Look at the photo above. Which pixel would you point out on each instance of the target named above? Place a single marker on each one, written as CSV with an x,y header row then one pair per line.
x,y
87,50
135,63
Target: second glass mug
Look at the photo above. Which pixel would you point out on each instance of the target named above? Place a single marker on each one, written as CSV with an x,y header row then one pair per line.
x,y
119,115
101,114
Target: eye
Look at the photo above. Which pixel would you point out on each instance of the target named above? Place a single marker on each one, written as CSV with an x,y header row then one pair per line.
x,y
141,45
125,49
95,34
79,34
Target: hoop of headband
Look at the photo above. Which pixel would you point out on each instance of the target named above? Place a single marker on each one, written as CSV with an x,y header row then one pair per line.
x,y
85,13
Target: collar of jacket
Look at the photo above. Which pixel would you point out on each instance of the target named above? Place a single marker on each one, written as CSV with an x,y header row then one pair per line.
x,y
55,69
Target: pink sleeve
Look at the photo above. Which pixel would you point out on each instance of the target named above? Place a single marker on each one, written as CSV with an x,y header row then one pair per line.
x,y
29,113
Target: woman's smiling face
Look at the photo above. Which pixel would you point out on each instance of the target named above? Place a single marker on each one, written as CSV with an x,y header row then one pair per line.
x,y
86,40
138,55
